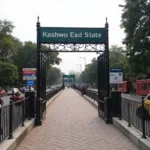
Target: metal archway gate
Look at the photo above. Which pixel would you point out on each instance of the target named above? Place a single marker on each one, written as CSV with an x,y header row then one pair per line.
x,y
64,39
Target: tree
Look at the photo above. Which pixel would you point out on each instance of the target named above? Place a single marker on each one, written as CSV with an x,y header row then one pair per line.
x,y
136,21
54,76
89,75
26,58
8,44
8,73
117,58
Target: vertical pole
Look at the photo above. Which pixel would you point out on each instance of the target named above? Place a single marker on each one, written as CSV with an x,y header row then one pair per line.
x,y
38,120
107,59
129,124
1,129
143,119
23,109
108,118
10,119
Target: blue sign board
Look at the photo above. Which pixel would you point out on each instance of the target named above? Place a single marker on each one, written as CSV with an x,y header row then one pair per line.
x,y
30,83
115,69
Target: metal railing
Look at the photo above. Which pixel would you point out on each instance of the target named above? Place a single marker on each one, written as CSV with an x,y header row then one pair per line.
x,y
93,95
11,117
53,92
137,114
14,114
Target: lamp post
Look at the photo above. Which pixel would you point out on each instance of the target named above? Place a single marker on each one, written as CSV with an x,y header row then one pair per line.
x,y
85,67
130,64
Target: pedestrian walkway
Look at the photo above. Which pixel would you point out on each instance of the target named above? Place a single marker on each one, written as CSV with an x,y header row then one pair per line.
x,y
72,123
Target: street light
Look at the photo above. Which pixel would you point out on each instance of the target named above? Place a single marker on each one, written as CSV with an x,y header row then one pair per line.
x,y
130,65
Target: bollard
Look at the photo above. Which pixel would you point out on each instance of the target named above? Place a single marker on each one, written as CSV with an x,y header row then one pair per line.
x,y
143,119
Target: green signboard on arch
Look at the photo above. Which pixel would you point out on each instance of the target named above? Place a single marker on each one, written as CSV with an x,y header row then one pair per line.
x,y
72,35
68,76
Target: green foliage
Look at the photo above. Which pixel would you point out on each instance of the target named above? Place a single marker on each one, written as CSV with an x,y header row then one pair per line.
x,y
117,58
19,55
8,44
89,75
8,73
54,76
136,21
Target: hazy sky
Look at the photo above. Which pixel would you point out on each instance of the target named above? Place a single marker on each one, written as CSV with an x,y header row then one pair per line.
x,y
64,13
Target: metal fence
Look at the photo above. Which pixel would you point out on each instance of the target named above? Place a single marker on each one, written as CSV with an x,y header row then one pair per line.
x,y
11,117
14,114
137,114
53,92
93,95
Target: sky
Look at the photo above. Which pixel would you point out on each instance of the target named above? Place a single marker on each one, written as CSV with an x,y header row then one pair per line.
x,y
64,13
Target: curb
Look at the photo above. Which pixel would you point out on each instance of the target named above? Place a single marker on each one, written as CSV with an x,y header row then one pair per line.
x,y
20,133
132,133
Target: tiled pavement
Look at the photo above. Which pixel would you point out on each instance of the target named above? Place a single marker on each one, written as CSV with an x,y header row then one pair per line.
x,y
72,123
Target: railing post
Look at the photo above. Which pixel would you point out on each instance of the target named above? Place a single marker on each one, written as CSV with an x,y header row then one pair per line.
x,y
29,109
23,109
107,110
38,120
120,103
143,119
1,130
31,104
10,119
129,124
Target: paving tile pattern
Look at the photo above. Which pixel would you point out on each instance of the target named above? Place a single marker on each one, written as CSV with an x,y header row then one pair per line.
x,y
72,123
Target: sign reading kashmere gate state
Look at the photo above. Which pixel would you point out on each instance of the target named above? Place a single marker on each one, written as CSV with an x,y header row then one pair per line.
x,y
72,35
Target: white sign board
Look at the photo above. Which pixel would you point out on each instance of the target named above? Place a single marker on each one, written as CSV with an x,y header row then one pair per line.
x,y
29,77
116,75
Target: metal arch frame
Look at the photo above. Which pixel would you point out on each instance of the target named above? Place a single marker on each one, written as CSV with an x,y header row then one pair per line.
x,y
59,47
97,47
